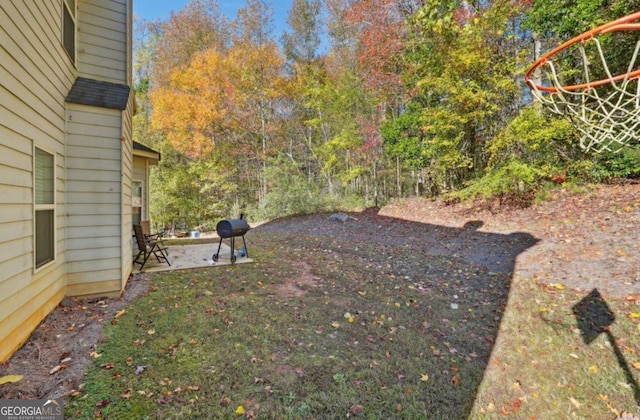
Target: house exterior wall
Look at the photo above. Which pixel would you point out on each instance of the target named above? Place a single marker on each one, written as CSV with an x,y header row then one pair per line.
x,y
94,191
99,174
102,42
92,154
127,170
35,75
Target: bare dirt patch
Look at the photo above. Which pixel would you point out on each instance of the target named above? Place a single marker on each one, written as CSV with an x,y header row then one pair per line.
x,y
295,288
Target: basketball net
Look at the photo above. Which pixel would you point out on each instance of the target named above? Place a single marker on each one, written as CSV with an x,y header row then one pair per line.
x,y
606,112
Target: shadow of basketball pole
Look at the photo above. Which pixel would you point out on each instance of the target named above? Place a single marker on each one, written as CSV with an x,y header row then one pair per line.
x,y
594,317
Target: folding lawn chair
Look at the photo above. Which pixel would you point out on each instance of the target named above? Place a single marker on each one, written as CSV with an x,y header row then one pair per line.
x,y
158,236
148,246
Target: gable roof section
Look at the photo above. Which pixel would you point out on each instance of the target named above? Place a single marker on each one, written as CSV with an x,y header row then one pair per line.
x,y
146,152
98,93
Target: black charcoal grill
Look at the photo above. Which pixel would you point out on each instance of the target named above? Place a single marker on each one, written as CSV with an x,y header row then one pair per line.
x,y
231,229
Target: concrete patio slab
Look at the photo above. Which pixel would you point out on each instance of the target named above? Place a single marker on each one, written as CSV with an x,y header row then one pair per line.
x,y
184,257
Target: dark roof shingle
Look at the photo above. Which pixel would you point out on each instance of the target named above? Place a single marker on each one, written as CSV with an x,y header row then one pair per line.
x,y
98,93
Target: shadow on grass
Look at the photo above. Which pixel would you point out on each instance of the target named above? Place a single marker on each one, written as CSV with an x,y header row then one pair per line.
x,y
457,279
594,317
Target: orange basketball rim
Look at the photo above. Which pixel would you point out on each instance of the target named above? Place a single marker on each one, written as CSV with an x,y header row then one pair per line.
x,y
623,24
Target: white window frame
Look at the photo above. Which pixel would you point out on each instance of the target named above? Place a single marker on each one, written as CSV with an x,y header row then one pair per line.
x,y
70,7
134,204
44,207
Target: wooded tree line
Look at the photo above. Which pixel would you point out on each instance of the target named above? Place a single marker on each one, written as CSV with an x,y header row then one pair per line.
x,y
410,97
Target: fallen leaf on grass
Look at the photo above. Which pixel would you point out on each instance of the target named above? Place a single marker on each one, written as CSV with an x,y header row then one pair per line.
x,y
102,403
636,365
575,402
634,315
424,377
139,370
335,324
348,317
240,410
455,380
624,385
593,368
510,407
118,314
151,331
10,379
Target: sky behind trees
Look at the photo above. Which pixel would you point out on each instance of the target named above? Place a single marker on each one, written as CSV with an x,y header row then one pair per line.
x,y
153,9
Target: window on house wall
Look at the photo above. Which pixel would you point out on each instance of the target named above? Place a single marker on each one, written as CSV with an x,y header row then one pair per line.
x,y
44,176
136,202
69,27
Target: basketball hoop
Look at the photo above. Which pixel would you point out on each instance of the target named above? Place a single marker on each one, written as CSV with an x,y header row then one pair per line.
x,y
606,111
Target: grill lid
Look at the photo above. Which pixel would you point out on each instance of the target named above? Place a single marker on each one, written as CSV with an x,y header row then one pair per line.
x,y
232,227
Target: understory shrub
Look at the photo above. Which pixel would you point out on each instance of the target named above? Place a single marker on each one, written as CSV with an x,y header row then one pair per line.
x,y
533,149
622,165
290,192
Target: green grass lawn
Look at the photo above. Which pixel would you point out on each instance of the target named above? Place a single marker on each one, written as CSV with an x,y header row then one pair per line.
x,y
319,328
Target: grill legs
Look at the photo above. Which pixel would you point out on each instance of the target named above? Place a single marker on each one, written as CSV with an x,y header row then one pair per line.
x,y
233,249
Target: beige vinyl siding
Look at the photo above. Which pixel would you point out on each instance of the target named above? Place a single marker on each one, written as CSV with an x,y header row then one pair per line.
x,y
127,171
102,40
93,199
92,164
34,63
35,75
